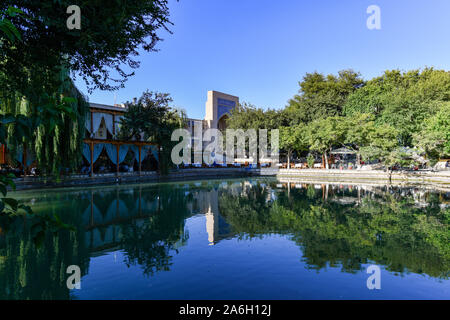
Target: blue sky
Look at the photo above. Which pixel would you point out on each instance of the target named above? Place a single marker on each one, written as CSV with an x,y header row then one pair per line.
x,y
259,50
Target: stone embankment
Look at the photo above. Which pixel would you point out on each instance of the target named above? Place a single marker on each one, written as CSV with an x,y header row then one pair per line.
x,y
439,179
30,182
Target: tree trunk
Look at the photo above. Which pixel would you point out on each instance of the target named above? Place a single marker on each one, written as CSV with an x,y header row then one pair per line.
x,y
326,160
289,159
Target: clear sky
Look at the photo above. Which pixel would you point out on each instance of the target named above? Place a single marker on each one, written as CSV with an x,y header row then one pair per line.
x,y
259,49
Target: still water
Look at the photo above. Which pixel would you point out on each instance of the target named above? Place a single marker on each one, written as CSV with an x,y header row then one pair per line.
x,y
236,239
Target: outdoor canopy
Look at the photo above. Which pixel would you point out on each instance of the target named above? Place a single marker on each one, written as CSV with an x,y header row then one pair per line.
x,y
19,157
111,151
97,118
342,151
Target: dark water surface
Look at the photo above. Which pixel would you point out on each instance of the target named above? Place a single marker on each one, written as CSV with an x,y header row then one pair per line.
x,y
237,239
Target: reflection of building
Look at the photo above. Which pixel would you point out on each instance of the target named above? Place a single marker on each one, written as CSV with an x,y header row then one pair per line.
x,y
104,220
207,203
212,217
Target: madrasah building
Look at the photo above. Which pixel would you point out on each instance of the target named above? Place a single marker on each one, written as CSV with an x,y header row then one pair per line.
x,y
217,108
104,120
103,124
102,127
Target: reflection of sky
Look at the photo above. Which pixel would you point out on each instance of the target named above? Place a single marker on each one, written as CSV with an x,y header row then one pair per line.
x,y
267,268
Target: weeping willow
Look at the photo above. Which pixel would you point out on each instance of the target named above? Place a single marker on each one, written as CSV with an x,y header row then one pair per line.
x,y
62,148
14,103
54,149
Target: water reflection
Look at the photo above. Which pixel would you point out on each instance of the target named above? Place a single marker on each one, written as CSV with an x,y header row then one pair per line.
x,y
403,229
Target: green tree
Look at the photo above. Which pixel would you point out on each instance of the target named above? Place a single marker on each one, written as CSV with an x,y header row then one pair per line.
x,y
152,117
404,100
292,139
434,138
102,52
247,116
358,129
38,103
321,97
38,54
381,142
323,134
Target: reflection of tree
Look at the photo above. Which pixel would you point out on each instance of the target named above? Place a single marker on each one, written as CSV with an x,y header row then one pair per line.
x,y
387,229
31,269
151,224
247,212
151,241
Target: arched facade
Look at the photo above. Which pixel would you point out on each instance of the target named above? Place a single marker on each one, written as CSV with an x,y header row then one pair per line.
x,y
222,123
218,106
217,109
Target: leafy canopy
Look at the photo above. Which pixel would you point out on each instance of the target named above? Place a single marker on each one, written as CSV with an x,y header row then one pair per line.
x,y
103,52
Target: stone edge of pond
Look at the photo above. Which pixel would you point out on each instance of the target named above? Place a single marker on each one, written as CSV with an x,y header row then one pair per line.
x,y
36,183
440,179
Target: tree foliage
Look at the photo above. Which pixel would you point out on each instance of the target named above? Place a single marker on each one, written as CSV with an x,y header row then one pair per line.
x,y
384,118
404,100
38,54
247,116
110,37
434,138
322,96
152,118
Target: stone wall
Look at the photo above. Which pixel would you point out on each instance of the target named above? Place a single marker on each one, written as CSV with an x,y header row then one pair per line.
x,y
28,183
439,179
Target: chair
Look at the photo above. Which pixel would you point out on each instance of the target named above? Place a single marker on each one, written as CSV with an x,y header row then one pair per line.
x,y
185,165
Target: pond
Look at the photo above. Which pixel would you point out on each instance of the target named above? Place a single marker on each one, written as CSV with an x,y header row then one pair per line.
x,y
233,239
